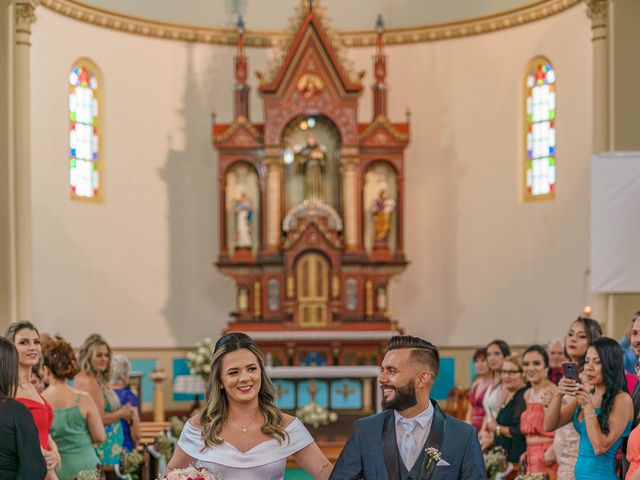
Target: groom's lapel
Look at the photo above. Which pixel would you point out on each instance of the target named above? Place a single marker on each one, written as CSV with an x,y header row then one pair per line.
x,y
390,446
434,440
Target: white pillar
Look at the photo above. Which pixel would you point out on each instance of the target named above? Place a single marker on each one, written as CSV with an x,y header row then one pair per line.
x,y
597,11
7,305
24,18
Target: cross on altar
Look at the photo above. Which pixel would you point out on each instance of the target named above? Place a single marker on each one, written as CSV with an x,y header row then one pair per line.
x,y
345,391
281,391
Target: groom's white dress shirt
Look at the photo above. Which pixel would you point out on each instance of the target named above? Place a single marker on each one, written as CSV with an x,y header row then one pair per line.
x,y
410,451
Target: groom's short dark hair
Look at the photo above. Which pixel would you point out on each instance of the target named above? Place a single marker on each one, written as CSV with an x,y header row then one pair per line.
x,y
422,351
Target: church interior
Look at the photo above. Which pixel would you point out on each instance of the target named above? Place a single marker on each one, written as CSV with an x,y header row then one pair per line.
x,y
321,175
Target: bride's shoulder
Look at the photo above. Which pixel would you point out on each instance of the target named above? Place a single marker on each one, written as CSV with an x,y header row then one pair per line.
x,y
195,421
287,419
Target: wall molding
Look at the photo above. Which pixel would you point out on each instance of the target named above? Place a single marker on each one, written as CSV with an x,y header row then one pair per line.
x,y
83,12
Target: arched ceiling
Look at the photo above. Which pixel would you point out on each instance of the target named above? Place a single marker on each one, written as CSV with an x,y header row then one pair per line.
x,y
273,15
268,21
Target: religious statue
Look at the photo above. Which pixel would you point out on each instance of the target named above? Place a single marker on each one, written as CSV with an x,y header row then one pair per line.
x,y
244,215
312,163
381,209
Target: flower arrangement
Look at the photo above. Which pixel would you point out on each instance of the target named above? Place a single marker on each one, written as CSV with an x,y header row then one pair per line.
x,y
496,462
315,415
130,463
199,359
165,445
175,426
192,473
532,476
88,475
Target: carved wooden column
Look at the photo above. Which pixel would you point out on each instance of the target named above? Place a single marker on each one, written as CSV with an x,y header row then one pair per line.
x,y
158,377
273,224
22,238
351,199
597,11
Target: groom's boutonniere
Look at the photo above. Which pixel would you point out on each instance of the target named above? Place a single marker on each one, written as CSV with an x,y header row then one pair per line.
x,y
434,456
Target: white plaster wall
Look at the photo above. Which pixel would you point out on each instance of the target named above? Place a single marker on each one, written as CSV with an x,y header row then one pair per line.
x,y
139,266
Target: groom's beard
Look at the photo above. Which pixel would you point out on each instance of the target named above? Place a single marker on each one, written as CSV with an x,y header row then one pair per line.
x,y
404,398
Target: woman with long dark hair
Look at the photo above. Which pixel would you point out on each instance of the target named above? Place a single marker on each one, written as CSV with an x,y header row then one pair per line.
x,y
497,351
240,433
20,455
540,456
600,408
26,338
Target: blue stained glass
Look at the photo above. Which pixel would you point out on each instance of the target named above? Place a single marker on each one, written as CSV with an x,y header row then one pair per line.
x,y
73,152
552,150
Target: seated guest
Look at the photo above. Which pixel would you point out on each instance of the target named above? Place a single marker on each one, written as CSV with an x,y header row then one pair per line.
x,y
77,424
20,454
95,372
26,338
475,412
121,367
507,424
555,349
540,456
599,407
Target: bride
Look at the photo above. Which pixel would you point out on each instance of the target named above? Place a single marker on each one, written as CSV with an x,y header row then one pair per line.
x,y
240,433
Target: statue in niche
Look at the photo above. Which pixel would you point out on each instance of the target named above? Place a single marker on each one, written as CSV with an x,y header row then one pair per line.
x,y
244,215
312,163
381,210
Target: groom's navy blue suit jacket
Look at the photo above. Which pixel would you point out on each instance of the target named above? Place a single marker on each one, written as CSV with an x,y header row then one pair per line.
x,y
371,453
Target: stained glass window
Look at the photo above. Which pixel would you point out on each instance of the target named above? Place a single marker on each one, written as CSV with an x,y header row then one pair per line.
x,y
84,131
540,140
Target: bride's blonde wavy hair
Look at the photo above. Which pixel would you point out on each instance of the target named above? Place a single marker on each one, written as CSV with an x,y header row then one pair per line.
x,y
216,406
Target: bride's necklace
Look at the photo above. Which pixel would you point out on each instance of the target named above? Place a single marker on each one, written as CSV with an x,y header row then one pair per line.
x,y
243,427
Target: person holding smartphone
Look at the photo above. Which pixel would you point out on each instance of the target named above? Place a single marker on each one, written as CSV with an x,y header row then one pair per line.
x,y
600,409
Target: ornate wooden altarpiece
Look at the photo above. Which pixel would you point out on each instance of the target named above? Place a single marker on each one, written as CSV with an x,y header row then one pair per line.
x,y
312,203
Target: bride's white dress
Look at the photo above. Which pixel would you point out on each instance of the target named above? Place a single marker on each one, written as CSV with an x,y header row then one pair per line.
x,y
265,461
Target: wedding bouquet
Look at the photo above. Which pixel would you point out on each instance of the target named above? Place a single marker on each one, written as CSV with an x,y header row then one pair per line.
x,y
199,359
315,415
532,476
192,473
130,463
496,462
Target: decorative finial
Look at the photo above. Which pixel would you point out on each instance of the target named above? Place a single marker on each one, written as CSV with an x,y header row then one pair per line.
x,y
240,25
379,24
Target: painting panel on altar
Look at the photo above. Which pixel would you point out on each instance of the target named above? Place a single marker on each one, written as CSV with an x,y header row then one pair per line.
x,y
242,207
311,156
379,208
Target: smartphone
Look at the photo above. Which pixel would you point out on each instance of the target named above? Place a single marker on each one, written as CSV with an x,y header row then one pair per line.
x,y
571,371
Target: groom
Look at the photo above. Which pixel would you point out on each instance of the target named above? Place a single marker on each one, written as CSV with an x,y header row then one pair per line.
x,y
412,439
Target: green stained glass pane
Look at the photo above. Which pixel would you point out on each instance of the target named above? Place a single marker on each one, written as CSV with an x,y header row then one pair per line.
x,y
72,116
552,161
529,118
530,165
72,162
552,114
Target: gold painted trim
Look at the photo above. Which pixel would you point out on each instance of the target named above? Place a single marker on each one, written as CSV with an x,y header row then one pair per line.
x,y
99,95
241,122
383,122
83,12
526,196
